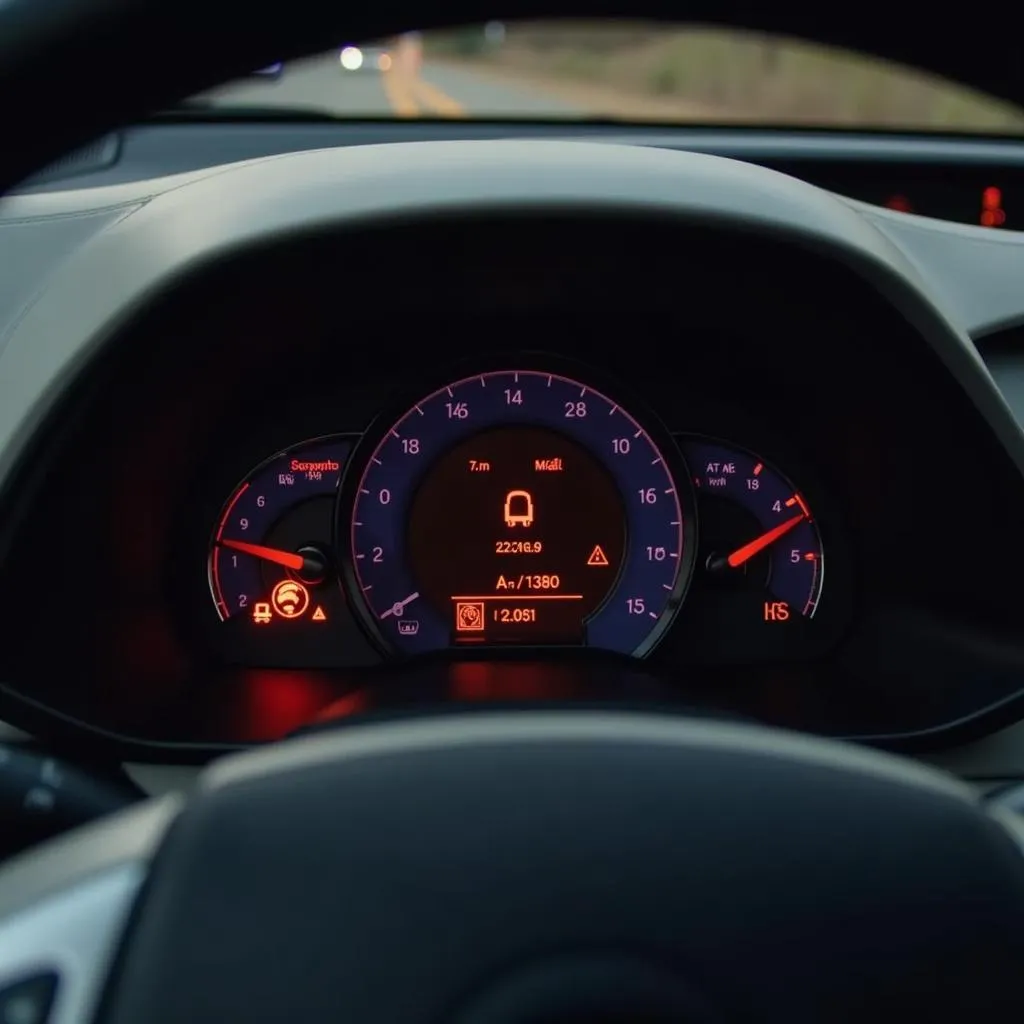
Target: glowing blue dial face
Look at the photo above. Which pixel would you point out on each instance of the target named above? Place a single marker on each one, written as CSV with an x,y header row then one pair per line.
x,y
518,507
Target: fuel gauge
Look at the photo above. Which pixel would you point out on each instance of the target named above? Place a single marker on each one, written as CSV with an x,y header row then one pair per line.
x,y
269,558
271,570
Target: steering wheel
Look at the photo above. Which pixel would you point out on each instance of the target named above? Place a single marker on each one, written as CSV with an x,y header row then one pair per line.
x,y
541,867
564,866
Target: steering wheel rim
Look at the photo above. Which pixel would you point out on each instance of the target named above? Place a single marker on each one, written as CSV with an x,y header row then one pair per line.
x,y
544,866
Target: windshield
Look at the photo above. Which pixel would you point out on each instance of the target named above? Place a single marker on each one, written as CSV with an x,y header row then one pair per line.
x,y
632,72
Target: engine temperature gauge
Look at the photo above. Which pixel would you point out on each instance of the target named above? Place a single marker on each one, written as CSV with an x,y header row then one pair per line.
x,y
759,548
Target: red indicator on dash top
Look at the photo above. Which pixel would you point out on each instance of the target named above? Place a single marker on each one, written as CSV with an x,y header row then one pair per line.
x,y
898,202
992,213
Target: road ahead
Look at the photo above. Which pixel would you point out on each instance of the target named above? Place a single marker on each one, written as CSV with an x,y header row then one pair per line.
x,y
438,91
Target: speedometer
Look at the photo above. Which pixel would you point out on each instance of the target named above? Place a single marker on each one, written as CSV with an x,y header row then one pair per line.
x,y
518,507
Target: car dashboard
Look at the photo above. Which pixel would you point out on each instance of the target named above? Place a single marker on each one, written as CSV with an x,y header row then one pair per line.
x,y
956,179
563,456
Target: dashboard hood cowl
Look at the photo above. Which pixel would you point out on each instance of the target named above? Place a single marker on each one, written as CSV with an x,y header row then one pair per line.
x,y
256,203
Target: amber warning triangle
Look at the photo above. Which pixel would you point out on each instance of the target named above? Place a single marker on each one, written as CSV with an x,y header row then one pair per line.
x,y
318,615
597,556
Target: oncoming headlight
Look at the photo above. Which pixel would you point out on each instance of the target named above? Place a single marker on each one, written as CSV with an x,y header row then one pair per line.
x,y
351,58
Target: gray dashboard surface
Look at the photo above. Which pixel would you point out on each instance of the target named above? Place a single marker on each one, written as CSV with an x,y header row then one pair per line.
x,y
950,280
33,243
974,269
76,259
157,150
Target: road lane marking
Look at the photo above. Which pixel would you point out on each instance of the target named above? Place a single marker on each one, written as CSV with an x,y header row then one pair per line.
x,y
436,101
397,88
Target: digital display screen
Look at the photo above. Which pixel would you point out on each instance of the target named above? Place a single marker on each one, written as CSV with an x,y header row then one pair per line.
x,y
520,533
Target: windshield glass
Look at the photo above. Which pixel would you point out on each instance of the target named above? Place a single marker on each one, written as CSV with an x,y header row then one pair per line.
x,y
616,71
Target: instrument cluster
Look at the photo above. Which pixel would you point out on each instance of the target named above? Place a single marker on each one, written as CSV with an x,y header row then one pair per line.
x,y
524,504
538,477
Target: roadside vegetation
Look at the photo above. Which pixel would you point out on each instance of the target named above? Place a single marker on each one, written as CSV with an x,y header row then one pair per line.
x,y
729,76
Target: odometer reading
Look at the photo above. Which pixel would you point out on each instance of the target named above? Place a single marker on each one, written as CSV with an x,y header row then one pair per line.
x,y
518,507
517,515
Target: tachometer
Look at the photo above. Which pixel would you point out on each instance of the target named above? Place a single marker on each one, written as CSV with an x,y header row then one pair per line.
x,y
518,507
761,557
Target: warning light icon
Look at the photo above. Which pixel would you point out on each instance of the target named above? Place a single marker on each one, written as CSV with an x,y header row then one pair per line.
x,y
597,556
261,613
290,599
469,616
518,508
319,615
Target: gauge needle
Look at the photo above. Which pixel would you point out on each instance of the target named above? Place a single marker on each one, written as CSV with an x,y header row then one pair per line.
x,y
288,559
399,606
758,544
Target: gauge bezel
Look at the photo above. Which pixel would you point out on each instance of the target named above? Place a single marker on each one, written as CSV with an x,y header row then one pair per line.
x,y
226,644
812,520
816,636
235,494
509,361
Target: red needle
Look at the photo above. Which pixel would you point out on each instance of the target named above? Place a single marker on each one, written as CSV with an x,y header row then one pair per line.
x,y
286,558
745,553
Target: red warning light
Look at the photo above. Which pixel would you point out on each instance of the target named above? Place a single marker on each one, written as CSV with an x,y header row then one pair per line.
x,y
992,213
901,203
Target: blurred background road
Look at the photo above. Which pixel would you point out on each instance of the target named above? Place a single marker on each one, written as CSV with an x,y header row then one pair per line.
x,y
621,71
432,90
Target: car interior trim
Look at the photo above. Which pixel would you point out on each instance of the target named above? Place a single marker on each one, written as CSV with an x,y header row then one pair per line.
x,y
93,293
